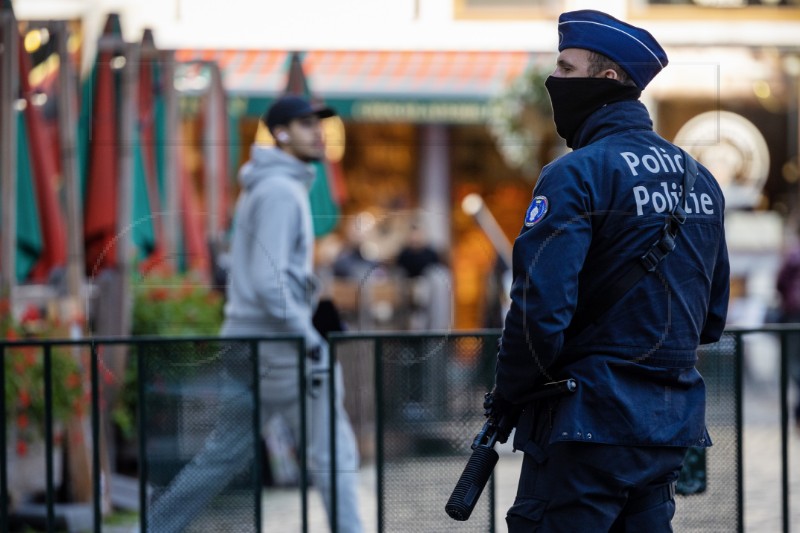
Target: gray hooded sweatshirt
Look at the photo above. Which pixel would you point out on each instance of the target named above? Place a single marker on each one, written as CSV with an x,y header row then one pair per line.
x,y
271,285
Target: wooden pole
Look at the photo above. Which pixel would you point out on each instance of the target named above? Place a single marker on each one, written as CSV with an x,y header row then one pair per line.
x,y
9,90
67,132
127,125
211,149
114,285
78,430
172,218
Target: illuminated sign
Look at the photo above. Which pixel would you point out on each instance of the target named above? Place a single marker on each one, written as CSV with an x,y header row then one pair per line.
x,y
420,112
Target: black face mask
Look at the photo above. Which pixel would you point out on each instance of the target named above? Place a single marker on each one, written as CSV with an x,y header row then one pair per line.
x,y
574,99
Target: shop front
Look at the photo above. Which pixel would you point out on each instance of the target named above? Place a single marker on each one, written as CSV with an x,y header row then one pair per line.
x,y
416,139
414,144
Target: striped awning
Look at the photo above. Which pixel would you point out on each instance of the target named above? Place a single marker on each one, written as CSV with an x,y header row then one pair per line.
x,y
407,75
244,72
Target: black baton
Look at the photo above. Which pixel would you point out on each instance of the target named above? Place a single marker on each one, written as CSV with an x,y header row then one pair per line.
x,y
484,458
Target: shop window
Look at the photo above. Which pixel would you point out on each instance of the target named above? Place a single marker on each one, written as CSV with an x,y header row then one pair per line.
x,y
722,3
507,9
764,9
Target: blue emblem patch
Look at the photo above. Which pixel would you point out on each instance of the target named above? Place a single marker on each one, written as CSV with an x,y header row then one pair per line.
x,y
536,211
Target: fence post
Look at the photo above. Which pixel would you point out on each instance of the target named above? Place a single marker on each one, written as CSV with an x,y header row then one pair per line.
x,y
96,489
379,414
784,379
143,466
3,445
48,436
492,485
256,433
303,435
332,418
739,382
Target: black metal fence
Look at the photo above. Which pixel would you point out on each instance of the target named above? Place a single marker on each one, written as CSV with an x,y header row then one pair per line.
x,y
427,392
414,401
195,410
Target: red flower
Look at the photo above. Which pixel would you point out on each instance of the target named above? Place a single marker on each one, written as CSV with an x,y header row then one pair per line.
x,y
30,355
159,294
73,380
186,289
22,421
24,398
108,376
78,408
11,334
22,447
31,314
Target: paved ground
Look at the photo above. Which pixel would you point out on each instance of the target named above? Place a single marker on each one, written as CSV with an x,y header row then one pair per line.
x,y
762,468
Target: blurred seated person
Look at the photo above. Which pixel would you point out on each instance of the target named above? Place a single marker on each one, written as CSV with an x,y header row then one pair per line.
x,y
417,255
352,262
430,287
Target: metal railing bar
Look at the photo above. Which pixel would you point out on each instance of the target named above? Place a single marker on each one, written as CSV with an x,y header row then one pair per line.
x,y
784,399
256,433
766,328
96,474
379,429
141,425
738,398
3,447
88,341
48,438
302,387
332,419
402,335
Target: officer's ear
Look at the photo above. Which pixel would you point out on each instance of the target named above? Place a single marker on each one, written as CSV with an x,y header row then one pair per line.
x,y
610,74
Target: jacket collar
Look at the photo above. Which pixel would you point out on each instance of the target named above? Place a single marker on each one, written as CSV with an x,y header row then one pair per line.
x,y
613,118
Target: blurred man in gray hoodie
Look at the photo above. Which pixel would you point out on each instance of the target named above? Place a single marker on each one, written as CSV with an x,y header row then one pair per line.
x,y
272,290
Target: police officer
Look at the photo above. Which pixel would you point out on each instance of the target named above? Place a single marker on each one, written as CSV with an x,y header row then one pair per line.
x,y
600,295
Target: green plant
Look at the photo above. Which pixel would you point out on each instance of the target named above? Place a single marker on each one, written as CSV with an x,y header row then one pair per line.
x,y
175,305
24,375
520,121
169,306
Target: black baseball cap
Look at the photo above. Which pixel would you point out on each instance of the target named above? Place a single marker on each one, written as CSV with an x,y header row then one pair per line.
x,y
289,107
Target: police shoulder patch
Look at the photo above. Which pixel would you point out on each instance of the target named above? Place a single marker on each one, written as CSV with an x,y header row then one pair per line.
x,y
536,211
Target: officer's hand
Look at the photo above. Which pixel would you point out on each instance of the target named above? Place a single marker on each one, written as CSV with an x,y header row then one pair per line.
x,y
502,414
495,406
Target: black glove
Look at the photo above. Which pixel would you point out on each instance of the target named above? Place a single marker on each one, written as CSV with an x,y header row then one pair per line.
x,y
495,406
315,353
501,413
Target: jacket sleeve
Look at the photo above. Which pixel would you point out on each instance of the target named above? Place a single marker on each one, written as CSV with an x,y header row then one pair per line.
x,y
276,223
547,260
720,294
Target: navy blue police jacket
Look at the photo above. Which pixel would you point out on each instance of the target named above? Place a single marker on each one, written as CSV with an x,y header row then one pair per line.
x,y
595,211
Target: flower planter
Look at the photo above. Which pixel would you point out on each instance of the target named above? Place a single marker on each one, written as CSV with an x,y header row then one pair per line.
x,y
27,471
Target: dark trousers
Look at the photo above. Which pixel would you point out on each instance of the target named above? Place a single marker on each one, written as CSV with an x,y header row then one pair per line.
x,y
578,486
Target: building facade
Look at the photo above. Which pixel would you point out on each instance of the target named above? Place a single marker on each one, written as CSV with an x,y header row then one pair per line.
x,y
417,82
